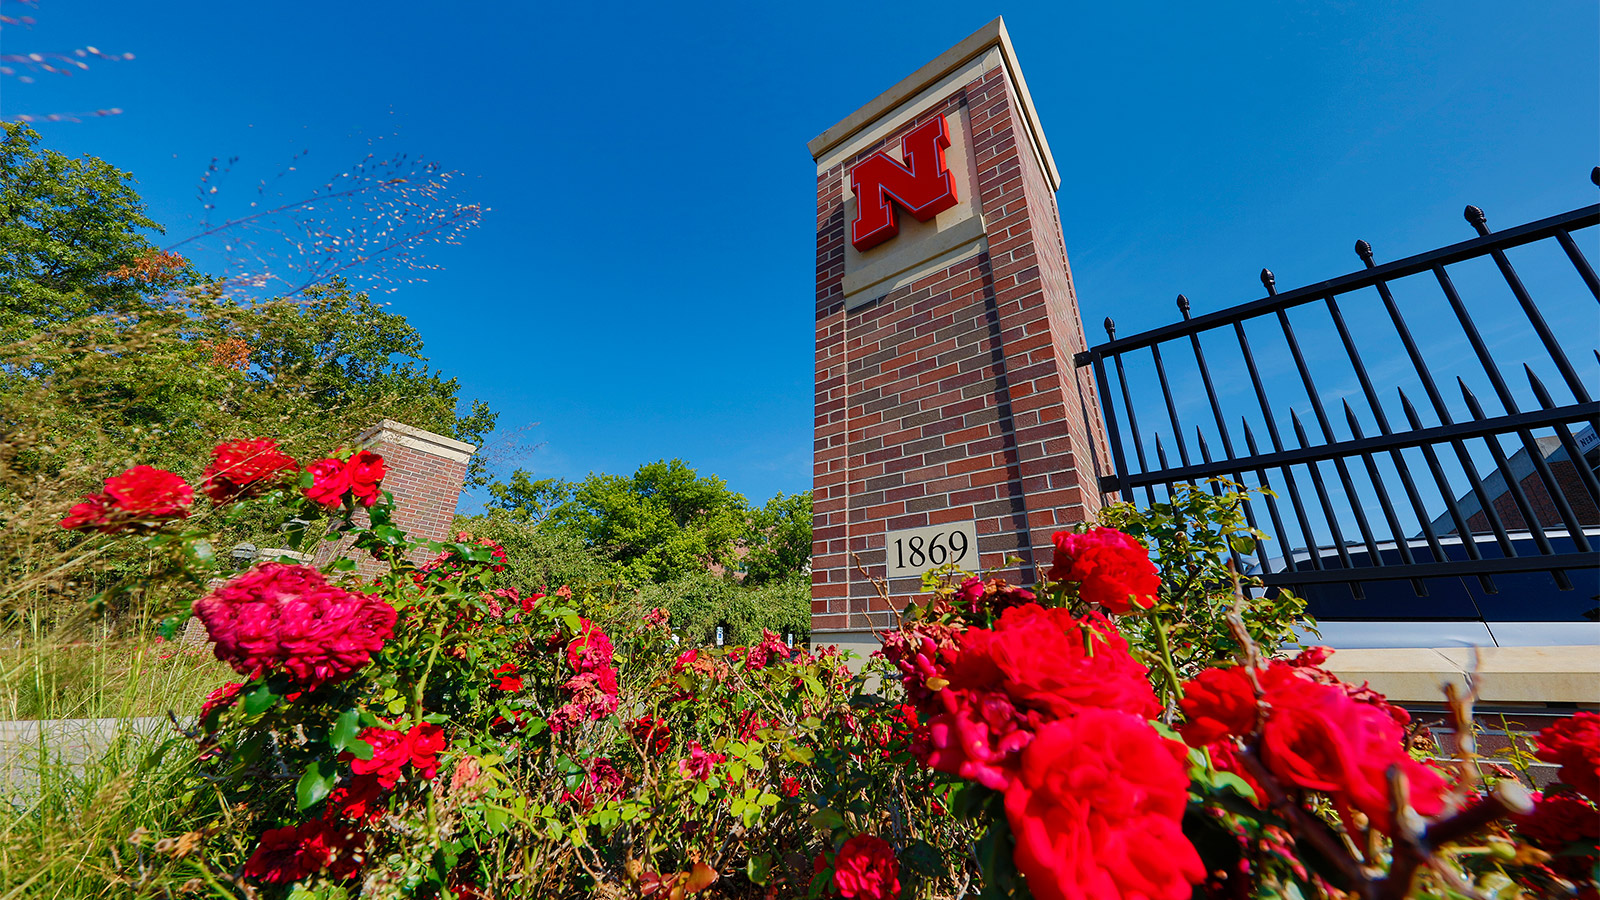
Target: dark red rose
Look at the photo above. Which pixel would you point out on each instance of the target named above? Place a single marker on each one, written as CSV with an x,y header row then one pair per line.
x,y
865,868
145,492
360,800
1558,821
241,468
1574,744
366,470
1096,811
1112,570
651,733
320,845
1218,703
330,482
510,681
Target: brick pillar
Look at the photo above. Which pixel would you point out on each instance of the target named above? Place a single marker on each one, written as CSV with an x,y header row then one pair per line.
x,y
945,390
425,474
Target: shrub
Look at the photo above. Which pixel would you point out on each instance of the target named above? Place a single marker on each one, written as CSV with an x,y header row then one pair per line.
x,y
436,732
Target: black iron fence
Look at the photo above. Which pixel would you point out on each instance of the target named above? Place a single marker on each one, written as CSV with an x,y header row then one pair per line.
x,y
1373,488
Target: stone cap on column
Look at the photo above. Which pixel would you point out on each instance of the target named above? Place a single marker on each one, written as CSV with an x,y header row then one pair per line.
x,y
861,127
390,431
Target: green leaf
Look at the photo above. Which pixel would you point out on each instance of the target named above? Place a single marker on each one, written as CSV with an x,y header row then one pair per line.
x,y
825,819
758,869
259,701
359,749
168,629
314,785
344,729
495,819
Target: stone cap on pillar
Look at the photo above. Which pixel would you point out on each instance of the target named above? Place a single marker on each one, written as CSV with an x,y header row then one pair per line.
x,y
401,434
871,121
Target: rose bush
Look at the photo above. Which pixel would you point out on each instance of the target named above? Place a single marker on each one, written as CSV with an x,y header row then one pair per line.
x,y
428,730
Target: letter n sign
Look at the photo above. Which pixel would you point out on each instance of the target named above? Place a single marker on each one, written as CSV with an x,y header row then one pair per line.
x,y
922,186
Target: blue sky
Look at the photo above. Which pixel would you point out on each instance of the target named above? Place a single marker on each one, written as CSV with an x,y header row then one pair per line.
x,y
642,287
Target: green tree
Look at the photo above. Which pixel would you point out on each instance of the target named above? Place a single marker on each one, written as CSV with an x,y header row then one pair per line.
x,y
662,522
779,539
70,233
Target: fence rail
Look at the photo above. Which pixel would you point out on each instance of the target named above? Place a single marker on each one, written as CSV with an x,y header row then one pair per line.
x,y
1480,492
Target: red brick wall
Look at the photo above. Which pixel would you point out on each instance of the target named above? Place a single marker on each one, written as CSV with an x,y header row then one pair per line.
x,y
426,489
1568,481
952,398
425,472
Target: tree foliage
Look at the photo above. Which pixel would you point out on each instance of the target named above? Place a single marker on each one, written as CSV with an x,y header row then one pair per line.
x,y
665,522
70,232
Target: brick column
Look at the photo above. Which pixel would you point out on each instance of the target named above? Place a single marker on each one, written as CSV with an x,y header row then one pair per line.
x,y
945,390
426,472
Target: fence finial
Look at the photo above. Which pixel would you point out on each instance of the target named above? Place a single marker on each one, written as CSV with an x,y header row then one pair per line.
x,y
1111,329
1364,250
1594,175
1480,222
1183,306
1472,399
1350,416
1540,392
1268,280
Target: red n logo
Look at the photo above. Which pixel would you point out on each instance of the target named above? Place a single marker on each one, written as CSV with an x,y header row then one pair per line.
x,y
922,187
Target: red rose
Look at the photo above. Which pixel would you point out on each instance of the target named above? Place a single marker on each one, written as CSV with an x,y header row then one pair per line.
x,y
141,495
1319,738
510,681
771,645
1096,811
93,512
240,468
790,787
1574,744
290,854
651,733
603,783
1558,821
365,470
1218,703
330,482
285,855
393,750
1059,664
359,800
220,699
145,492
590,650
287,618
865,867
1034,666
700,762
1112,569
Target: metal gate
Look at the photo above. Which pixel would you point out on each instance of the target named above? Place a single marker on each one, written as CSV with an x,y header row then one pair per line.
x,y
1384,471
